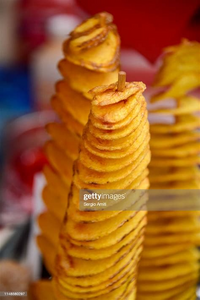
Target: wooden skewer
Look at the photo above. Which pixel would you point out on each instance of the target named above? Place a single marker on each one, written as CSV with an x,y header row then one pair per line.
x,y
102,19
121,81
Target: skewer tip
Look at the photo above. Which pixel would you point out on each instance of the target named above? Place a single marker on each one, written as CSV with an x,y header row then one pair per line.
x,y
121,81
102,19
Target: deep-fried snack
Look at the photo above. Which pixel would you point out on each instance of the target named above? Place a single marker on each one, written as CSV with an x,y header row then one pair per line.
x,y
98,251
169,268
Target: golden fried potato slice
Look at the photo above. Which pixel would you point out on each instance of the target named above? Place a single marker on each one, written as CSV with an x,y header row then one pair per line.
x,y
186,122
120,144
50,227
87,175
122,275
192,238
175,174
186,105
41,290
73,102
92,39
65,139
130,293
109,94
181,292
101,58
186,184
160,274
55,202
182,225
161,251
102,278
185,47
94,231
159,141
107,275
144,185
60,161
185,83
108,289
100,164
172,70
82,292
190,255
178,59
116,236
116,294
187,294
116,154
132,181
71,124
178,162
95,254
87,267
90,24
192,184
181,151
153,216
48,251
173,293
54,181
117,112
151,286
121,132
82,80
116,115
111,126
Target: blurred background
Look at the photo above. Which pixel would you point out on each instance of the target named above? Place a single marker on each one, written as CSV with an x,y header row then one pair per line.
x,y
31,35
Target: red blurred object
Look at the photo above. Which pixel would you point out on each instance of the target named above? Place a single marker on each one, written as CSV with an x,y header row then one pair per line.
x,y
33,17
24,158
149,26
27,163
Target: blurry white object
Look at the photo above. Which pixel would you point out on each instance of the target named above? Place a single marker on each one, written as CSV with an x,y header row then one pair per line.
x,y
61,25
45,59
8,31
5,234
33,259
198,293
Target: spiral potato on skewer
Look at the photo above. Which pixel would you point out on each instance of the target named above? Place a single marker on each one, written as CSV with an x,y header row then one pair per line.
x,y
169,267
90,59
99,250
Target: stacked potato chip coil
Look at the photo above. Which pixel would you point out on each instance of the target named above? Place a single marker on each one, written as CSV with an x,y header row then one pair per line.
x,y
91,58
169,267
99,251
